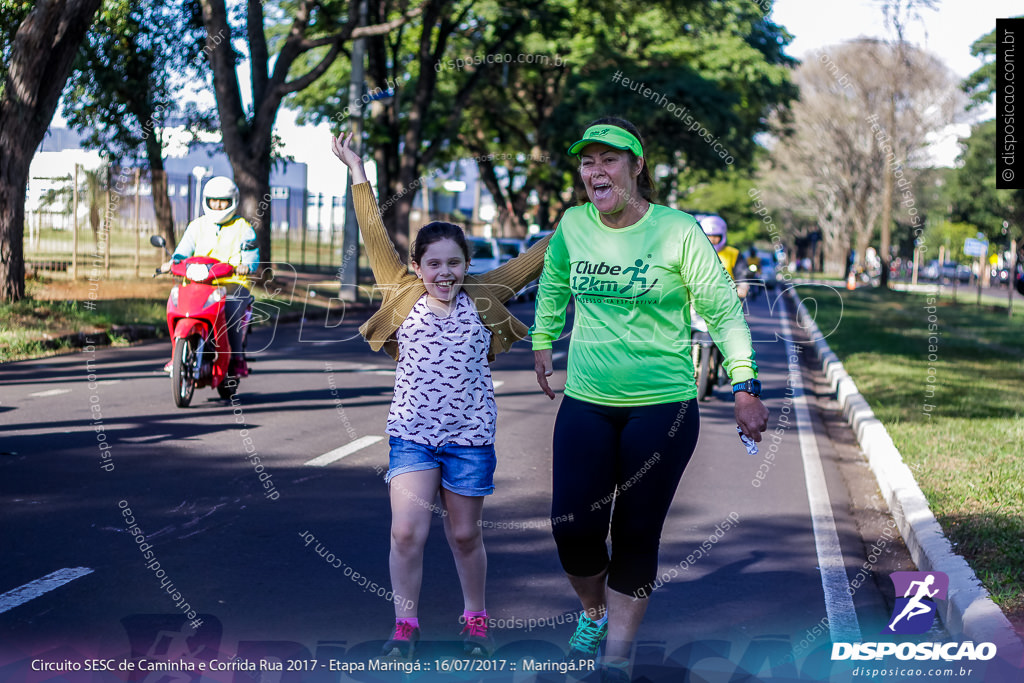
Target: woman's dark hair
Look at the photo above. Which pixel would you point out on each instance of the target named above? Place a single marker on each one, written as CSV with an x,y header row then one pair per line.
x,y
435,232
645,182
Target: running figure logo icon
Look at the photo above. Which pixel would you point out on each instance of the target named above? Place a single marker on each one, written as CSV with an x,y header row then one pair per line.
x,y
636,275
916,592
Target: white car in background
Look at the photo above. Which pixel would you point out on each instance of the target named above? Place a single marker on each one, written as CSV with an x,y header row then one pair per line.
x,y
509,248
484,254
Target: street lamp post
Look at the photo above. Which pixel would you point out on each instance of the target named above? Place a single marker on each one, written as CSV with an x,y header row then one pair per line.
x,y
1011,279
200,172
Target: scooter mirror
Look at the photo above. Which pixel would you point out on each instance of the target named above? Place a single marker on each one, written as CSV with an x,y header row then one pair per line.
x,y
158,241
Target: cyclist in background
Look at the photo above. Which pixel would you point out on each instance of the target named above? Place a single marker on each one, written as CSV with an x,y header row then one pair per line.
x,y
718,232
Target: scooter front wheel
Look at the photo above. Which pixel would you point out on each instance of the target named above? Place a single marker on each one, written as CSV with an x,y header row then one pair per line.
x,y
704,370
183,366
703,348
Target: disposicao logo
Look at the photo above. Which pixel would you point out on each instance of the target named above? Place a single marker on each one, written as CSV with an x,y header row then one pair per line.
x,y
914,613
916,592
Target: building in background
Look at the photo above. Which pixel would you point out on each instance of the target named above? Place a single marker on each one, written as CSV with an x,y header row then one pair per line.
x,y
49,197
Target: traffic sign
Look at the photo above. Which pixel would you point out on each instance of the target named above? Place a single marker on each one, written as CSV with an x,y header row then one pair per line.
x,y
975,247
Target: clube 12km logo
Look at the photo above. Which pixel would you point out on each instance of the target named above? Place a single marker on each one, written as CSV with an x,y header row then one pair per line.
x,y
914,614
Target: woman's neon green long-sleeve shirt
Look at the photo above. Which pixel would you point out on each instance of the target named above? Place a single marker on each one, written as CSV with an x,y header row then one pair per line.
x,y
633,289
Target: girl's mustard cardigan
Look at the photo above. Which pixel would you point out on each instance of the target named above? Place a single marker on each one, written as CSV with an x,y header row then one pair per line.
x,y
402,289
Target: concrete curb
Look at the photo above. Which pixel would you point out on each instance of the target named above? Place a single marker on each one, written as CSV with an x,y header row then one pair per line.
x,y
968,613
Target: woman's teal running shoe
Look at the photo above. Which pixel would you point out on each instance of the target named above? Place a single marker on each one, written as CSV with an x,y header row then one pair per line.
x,y
585,643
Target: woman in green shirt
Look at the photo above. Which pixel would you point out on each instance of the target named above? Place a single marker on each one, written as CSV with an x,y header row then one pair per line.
x,y
628,423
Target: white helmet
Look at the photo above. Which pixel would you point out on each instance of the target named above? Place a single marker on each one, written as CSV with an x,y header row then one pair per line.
x,y
714,225
220,187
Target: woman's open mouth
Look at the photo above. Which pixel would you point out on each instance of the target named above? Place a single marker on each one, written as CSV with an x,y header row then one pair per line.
x,y
602,190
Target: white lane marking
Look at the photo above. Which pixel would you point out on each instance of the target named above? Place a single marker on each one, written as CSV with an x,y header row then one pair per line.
x,y
842,616
345,366
50,392
152,438
33,589
497,383
347,449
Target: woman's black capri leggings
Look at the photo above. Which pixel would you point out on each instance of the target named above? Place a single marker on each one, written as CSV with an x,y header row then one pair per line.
x,y
639,451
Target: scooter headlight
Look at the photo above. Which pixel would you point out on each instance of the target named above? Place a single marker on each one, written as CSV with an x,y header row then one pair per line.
x,y
174,296
197,272
215,296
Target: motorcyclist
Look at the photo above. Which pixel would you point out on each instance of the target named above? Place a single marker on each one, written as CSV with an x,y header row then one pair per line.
x,y
753,260
718,233
222,235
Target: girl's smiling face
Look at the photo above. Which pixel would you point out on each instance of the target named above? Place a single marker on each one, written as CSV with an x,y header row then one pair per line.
x,y
442,269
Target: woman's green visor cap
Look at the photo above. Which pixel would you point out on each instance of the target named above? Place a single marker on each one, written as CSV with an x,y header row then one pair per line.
x,y
613,136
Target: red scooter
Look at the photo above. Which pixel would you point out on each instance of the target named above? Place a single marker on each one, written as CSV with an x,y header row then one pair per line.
x,y
198,328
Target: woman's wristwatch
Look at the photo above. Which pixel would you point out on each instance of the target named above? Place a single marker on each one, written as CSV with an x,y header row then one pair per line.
x,y
751,386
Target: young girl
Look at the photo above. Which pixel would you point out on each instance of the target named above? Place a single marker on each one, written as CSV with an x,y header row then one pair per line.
x,y
442,326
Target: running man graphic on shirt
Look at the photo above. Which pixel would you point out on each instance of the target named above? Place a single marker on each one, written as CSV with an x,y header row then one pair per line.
x,y
636,275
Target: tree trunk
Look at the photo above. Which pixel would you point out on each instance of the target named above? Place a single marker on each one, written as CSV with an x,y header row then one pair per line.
x,y
162,209
863,241
835,252
885,241
398,218
94,219
252,175
42,53
12,219
506,216
395,212
543,218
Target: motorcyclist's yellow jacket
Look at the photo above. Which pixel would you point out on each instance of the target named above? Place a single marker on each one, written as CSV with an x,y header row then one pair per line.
x,y
729,256
233,242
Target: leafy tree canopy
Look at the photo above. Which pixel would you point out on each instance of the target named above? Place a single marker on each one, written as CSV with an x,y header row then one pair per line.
x,y
981,85
717,68
973,194
131,73
12,13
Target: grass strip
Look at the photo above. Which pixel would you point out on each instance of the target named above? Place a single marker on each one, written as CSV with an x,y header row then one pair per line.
x,y
57,307
945,379
32,328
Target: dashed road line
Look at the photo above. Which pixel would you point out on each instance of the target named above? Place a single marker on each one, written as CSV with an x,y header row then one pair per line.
x,y
339,453
33,589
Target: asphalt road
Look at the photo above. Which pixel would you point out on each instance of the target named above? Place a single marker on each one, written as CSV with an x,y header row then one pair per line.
x,y
283,561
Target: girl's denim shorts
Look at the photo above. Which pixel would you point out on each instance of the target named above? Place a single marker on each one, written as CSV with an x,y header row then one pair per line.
x,y
465,470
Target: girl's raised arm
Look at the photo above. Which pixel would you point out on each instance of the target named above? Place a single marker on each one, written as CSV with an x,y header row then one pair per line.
x,y
385,262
